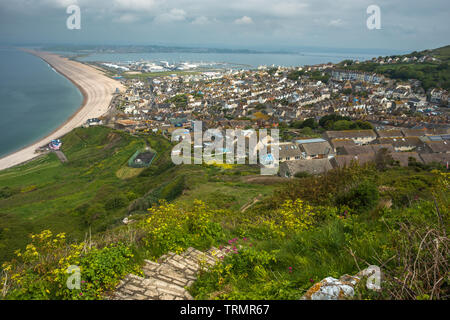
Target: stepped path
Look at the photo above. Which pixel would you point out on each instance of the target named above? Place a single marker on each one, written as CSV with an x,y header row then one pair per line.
x,y
168,278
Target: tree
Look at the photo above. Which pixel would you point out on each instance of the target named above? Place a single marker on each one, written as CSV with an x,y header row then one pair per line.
x,y
342,125
311,123
363,125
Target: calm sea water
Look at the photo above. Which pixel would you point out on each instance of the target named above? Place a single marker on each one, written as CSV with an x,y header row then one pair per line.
x,y
34,100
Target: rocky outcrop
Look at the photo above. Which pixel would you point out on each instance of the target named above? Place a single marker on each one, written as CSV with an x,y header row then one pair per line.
x,y
168,278
344,287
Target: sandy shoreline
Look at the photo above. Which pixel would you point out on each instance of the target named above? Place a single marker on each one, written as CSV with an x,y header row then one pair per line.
x,y
97,90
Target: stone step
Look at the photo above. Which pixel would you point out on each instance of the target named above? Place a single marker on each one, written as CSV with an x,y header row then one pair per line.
x,y
170,275
201,256
166,256
180,267
168,278
150,266
185,260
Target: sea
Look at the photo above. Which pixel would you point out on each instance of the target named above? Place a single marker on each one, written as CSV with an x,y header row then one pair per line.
x,y
234,60
34,99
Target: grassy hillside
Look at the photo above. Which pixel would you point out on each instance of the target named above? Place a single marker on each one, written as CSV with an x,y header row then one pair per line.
x,y
96,189
48,194
286,233
431,74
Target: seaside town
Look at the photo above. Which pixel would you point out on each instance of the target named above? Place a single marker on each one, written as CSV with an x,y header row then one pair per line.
x,y
224,155
371,112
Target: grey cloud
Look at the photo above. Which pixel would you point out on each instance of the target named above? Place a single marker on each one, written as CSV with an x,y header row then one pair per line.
x,y
326,23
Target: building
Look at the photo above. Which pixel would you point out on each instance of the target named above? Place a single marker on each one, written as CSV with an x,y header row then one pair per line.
x,y
288,169
346,160
404,144
358,136
403,157
337,143
438,146
315,149
442,158
289,151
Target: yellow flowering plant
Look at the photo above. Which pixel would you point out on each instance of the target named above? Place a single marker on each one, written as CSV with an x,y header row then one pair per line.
x,y
292,217
172,228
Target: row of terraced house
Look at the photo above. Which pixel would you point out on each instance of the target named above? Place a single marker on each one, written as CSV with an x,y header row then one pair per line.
x,y
341,148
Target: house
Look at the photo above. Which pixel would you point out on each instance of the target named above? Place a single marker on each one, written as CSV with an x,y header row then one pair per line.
x,y
442,158
289,151
346,160
378,147
358,136
93,122
403,144
438,146
316,149
414,132
389,133
290,168
355,150
337,143
403,157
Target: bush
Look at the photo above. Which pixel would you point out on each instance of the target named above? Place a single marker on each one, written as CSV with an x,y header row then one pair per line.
x,y
116,202
360,198
172,228
41,270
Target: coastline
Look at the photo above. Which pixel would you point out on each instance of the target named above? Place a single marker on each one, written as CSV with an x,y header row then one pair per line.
x,y
96,88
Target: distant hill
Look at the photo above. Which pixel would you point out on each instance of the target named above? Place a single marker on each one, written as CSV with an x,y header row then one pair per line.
x,y
431,67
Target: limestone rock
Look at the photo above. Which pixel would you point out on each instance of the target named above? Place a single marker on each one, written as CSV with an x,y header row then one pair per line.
x,y
344,287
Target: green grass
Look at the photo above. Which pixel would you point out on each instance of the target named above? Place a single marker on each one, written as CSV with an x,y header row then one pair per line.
x,y
47,193
73,197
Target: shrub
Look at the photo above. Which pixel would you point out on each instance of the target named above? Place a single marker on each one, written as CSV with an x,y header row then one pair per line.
x,y
116,202
172,228
41,270
362,197
292,217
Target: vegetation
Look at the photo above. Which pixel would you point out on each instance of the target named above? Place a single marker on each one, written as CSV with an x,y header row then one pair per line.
x,y
298,232
180,100
431,74
332,122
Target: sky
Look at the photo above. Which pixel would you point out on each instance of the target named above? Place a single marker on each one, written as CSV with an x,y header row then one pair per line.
x,y
406,25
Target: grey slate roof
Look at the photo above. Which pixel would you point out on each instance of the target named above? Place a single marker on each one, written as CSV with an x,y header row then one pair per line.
x,y
311,166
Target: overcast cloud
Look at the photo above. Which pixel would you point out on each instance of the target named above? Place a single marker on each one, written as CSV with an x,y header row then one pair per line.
x,y
406,25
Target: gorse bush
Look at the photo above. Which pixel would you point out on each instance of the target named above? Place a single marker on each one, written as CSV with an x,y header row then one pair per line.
x,y
362,197
171,228
292,217
41,270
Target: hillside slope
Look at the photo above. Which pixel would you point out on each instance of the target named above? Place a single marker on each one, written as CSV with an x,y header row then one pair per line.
x,y
432,74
